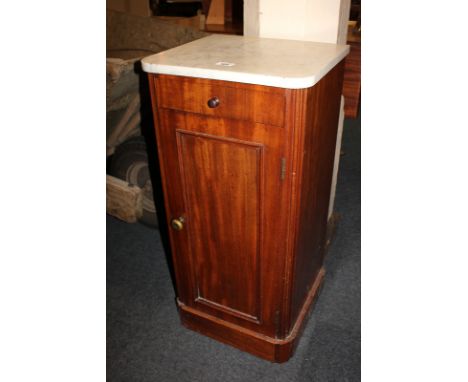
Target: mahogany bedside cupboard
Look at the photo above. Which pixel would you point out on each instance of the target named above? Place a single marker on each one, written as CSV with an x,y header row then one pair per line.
x,y
246,133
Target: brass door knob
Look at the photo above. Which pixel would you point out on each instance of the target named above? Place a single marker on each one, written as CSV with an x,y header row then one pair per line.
x,y
213,102
178,224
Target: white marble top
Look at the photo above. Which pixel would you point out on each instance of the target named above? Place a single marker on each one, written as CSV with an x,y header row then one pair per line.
x,y
263,61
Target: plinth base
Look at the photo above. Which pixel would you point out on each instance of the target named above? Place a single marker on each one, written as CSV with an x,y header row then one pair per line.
x,y
271,349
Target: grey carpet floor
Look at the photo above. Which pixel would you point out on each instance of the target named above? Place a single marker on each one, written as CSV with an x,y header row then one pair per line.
x,y
146,342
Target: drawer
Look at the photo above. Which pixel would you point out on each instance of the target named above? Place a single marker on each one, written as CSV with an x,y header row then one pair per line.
x,y
261,104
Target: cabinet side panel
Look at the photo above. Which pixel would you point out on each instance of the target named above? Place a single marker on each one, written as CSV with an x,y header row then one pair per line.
x,y
315,170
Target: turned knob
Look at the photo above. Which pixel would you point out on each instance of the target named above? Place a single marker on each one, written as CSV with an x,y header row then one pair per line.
x,y
178,224
213,102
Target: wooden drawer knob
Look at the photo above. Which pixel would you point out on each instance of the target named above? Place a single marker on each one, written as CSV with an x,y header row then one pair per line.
x,y
213,102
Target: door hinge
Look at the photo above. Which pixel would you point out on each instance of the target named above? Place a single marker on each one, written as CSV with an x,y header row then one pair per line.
x,y
283,168
277,323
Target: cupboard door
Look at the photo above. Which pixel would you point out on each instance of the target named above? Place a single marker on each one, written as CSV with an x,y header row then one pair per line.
x,y
225,181
222,187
